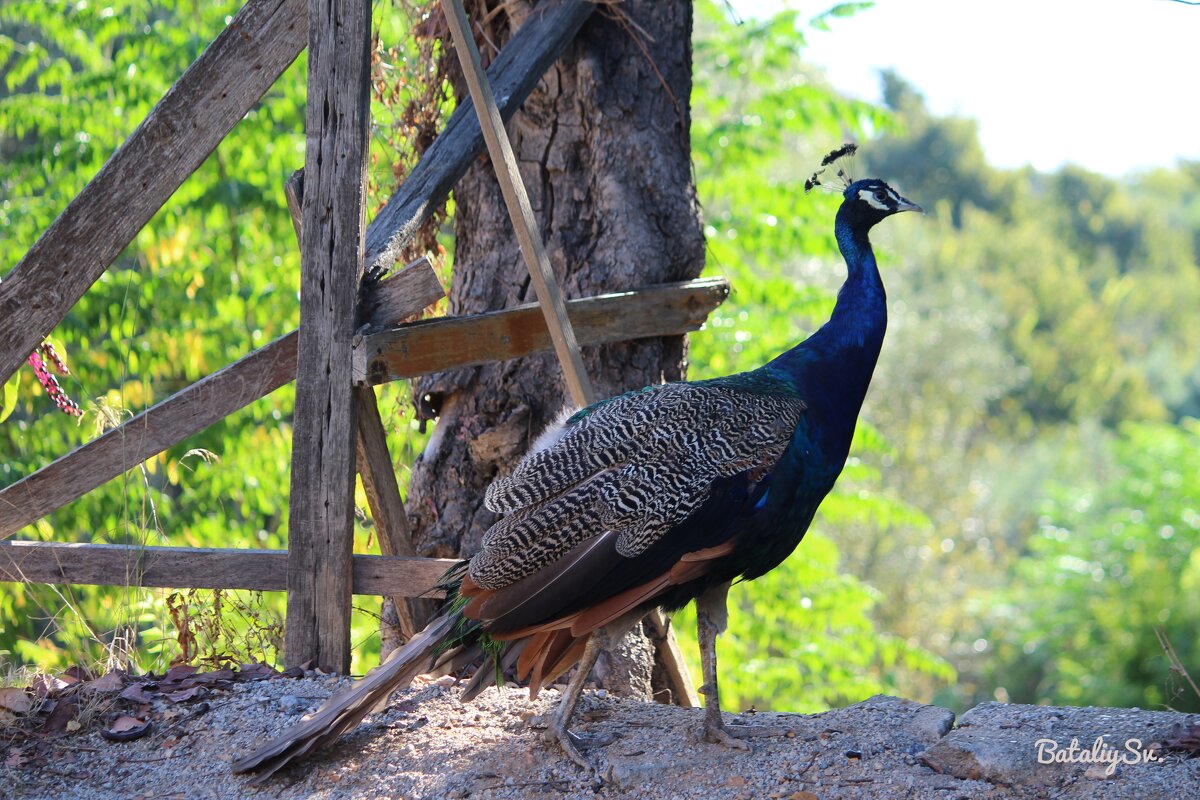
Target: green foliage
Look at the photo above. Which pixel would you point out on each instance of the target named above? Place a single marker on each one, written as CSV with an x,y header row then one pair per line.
x,y
214,275
1034,316
1114,557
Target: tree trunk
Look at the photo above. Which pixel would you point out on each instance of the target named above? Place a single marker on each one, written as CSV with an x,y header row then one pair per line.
x,y
604,152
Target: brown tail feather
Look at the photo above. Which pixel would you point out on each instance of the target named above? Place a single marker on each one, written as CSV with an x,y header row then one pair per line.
x,y
534,651
347,708
618,605
566,660
560,642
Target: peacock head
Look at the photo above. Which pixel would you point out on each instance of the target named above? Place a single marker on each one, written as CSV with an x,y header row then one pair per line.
x,y
871,200
866,201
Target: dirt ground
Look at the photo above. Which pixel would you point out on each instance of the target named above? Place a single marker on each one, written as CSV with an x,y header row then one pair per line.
x,y
427,744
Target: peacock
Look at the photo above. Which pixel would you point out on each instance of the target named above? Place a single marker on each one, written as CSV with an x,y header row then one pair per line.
x,y
654,498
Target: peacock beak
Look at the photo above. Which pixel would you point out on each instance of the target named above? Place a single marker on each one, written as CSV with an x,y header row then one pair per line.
x,y
908,205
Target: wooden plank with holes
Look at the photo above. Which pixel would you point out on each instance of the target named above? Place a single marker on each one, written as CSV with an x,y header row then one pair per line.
x,y
195,114
202,568
181,415
321,520
434,345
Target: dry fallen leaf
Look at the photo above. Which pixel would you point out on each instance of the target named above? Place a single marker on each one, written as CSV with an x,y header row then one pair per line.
x,y
109,682
50,686
15,699
186,694
60,718
180,671
137,694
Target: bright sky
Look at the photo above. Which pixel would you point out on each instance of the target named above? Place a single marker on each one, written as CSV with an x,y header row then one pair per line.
x,y
1112,85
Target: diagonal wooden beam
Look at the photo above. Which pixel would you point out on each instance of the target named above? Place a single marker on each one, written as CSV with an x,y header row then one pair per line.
x,y
181,415
378,476
192,118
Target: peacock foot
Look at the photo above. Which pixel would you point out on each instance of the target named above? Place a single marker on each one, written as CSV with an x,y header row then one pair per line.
x,y
572,743
719,733
734,735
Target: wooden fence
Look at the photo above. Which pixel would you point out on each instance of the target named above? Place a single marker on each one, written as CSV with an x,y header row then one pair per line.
x,y
348,339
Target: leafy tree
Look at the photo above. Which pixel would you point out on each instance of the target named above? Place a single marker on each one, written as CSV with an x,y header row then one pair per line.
x,y
1115,558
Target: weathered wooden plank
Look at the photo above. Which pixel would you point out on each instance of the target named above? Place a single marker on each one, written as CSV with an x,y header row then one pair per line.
x,y
193,116
435,345
391,300
179,416
321,519
515,71
516,200
201,568
387,508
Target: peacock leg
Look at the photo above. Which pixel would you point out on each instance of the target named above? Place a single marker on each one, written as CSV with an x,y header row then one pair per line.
x,y
557,730
711,618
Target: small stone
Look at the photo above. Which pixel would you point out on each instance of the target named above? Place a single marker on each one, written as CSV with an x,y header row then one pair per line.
x,y
290,704
1099,772
735,781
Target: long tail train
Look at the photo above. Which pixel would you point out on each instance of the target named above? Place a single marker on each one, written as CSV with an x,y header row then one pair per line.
x,y
345,709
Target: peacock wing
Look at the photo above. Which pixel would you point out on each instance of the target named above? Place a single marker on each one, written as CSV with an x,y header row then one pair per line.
x,y
619,475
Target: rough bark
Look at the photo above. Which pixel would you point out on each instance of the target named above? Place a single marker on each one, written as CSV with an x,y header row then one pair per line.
x,y
603,148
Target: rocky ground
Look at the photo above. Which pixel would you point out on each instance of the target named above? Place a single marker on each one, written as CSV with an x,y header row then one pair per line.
x,y
427,744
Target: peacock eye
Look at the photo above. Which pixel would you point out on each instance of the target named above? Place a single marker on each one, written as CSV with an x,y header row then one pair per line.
x,y
880,195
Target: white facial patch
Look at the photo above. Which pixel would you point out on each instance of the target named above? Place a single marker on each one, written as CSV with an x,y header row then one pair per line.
x,y
868,197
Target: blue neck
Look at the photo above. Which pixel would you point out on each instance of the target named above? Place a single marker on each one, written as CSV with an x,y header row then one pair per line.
x,y
832,368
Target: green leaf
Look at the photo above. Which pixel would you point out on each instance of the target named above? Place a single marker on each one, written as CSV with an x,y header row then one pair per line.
x,y
10,396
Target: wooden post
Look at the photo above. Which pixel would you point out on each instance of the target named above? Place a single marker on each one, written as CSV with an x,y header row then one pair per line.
x,y
519,209
372,458
321,532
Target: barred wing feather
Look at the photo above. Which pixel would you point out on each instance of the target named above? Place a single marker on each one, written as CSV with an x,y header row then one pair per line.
x,y
636,465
